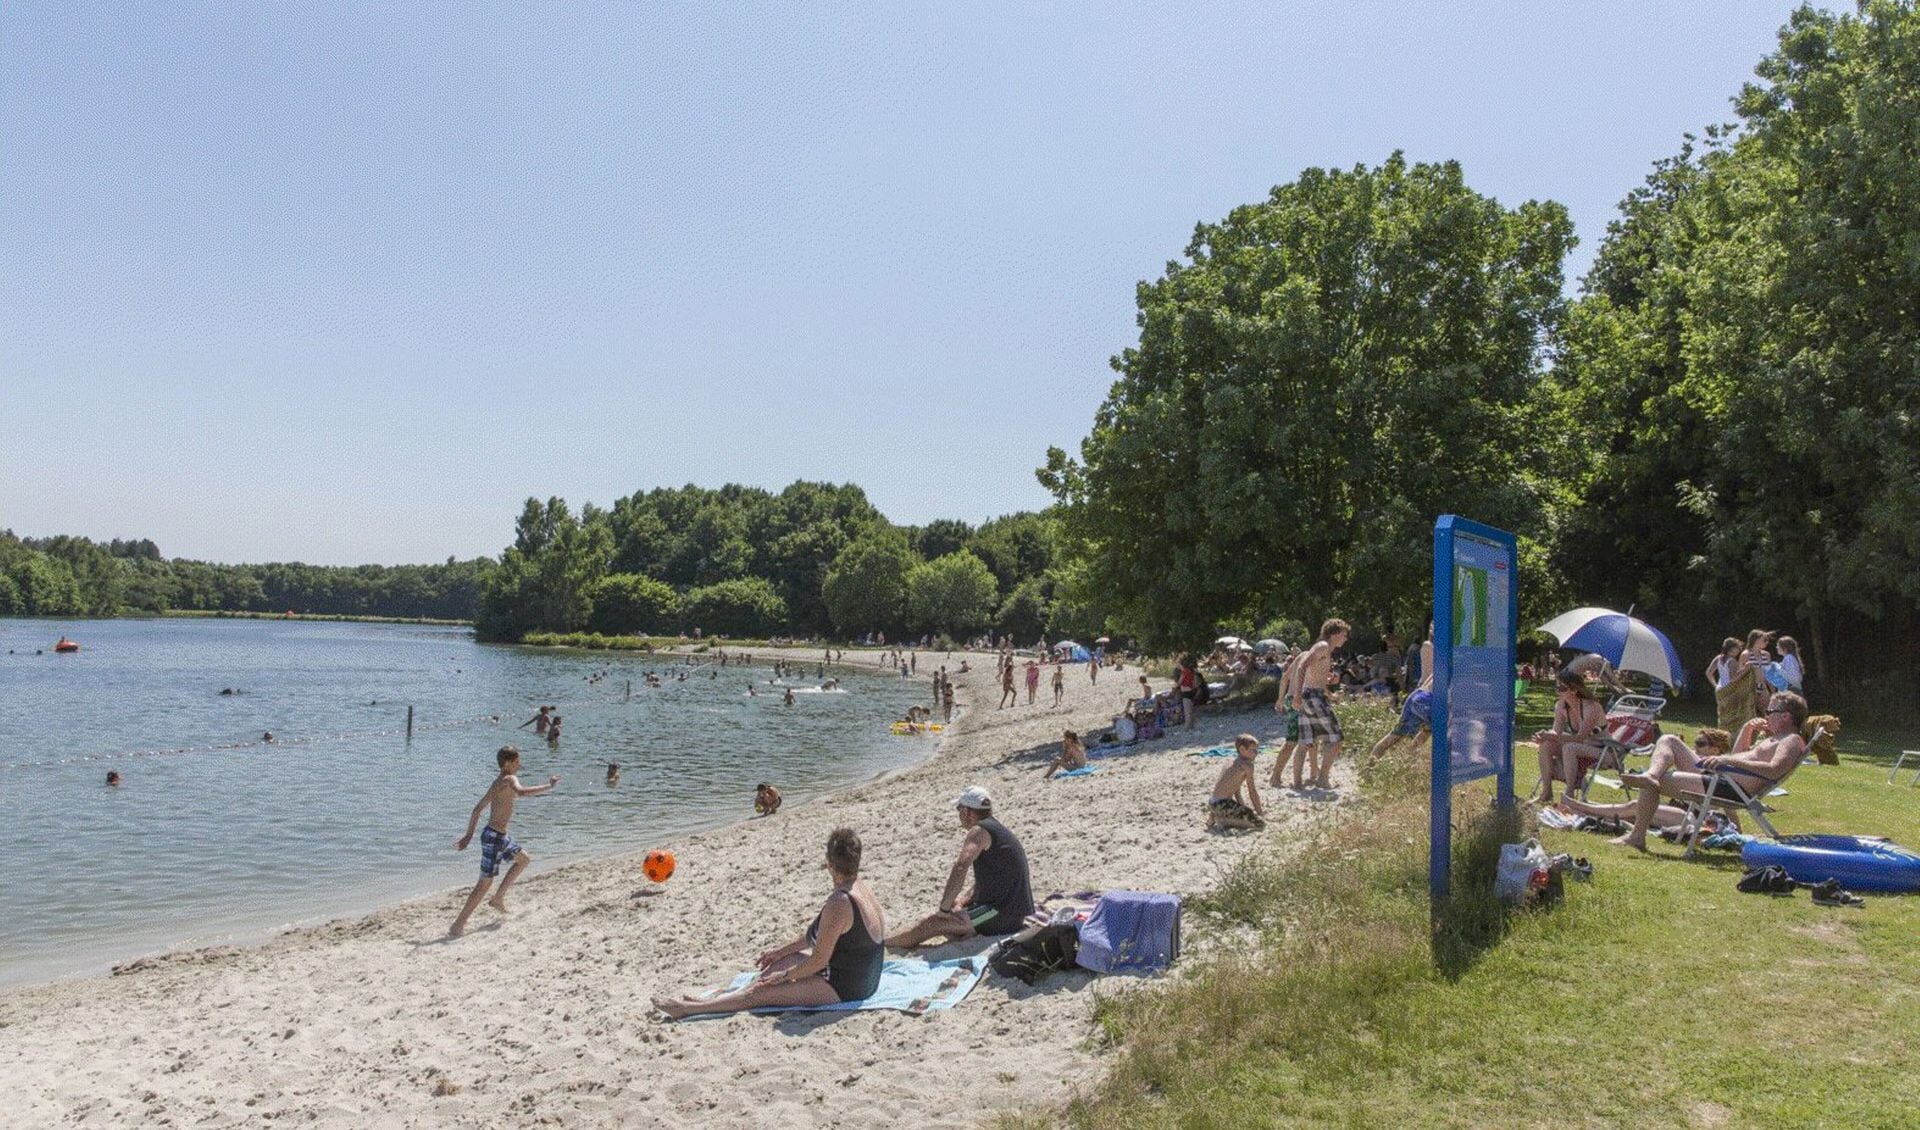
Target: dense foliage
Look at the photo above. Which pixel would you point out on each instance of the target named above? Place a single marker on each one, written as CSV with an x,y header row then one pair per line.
x,y
1747,358
72,576
1327,371
812,559
1723,430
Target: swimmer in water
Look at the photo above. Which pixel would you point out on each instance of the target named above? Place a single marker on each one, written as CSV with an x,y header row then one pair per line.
x,y
113,778
789,699
613,773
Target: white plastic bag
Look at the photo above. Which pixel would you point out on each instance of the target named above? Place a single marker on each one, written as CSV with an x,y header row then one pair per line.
x,y
1518,862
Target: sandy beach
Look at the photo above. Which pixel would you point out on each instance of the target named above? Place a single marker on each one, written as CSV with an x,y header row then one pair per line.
x,y
542,1017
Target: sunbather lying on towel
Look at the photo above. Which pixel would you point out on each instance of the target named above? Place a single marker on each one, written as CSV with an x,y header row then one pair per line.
x,y
837,959
1756,766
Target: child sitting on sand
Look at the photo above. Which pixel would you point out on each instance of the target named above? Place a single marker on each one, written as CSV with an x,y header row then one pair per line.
x,y
766,799
1073,755
1225,809
495,844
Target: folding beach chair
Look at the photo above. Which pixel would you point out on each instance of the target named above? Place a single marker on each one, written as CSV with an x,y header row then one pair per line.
x,y
1633,725
1751,803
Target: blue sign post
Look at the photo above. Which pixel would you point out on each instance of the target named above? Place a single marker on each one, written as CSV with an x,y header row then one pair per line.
x,y
1475,610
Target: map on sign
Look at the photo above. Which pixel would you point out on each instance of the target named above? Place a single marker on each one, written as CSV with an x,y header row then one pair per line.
x,y
1479,694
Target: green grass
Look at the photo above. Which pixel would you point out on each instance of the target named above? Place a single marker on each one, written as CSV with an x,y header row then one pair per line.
x,y
1358,1008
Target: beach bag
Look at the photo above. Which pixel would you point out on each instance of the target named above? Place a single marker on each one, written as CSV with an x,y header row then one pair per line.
x,y
1518,862
1050,950
1131,932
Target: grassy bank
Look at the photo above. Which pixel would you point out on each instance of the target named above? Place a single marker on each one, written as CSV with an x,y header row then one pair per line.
x,y
197,614
1354,1007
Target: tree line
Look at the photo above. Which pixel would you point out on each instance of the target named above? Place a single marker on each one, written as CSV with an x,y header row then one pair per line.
x,y
814,559
1720,429
75,576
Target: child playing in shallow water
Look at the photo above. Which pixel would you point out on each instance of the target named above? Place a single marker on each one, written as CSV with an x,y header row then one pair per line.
x,y
496,846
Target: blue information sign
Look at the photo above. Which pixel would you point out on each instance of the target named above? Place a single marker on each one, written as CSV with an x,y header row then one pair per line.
x,y
1475,606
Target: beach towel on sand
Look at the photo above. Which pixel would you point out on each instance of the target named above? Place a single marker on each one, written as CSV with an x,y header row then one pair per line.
x,y
905,983
1216,751
1130,932
1080,772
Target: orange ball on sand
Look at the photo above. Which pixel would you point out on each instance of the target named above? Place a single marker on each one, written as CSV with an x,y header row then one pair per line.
x,y
658,865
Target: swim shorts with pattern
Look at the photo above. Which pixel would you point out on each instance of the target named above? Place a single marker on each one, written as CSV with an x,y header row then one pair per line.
x,y
496,847
1318,723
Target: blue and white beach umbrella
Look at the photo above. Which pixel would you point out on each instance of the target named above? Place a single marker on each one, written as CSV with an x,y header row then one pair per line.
x,y
1627,643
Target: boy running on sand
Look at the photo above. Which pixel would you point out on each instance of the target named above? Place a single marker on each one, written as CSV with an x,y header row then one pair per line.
x,y
1225,809
1318,723
495,844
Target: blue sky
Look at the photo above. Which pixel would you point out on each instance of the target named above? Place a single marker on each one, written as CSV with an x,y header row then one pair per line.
x,y
345,283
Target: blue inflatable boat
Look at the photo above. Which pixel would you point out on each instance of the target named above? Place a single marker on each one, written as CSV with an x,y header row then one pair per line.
x,y
1859,864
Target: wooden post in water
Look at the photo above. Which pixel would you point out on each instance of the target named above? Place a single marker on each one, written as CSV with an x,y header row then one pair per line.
x,y
409,721
629,689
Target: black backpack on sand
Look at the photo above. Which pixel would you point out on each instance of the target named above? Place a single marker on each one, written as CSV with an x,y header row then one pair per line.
x,y
1049,951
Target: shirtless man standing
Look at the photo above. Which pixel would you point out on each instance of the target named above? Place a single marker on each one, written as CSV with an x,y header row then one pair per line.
x,y
495,844
1318,723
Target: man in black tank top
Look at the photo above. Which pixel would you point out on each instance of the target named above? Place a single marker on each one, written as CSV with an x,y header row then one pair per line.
x,y
1001,896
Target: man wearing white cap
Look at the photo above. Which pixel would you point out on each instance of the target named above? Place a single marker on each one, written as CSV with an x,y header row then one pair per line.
x,y
1001,896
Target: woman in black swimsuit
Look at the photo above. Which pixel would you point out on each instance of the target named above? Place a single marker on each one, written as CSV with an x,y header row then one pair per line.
x,y
837,959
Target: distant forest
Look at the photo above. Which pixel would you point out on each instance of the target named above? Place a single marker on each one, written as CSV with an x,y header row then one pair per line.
x,y
72,576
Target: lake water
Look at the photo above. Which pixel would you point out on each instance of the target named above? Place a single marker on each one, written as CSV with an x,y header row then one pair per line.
x,y
341,813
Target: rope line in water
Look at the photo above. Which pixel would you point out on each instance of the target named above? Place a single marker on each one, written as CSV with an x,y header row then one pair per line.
x,y
310,739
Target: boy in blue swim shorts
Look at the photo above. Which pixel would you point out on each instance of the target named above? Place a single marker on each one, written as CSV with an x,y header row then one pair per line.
x,y
496,846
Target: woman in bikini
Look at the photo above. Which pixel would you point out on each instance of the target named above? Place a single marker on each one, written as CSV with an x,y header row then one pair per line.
x,y
837,959
1756,764
1577,717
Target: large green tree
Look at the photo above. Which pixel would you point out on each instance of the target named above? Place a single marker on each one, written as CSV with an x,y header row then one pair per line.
x,y
546,577
1325,372
954,593
866,589
1751,347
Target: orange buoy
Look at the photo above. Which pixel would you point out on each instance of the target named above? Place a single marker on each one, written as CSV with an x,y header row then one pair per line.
x,y
658,865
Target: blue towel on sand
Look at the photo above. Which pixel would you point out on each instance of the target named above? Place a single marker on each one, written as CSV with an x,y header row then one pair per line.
x,y
1080,772
1216,751
1132,932
902,981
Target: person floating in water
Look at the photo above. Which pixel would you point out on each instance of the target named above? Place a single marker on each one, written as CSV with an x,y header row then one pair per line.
x,y
267,737
496,846
113,778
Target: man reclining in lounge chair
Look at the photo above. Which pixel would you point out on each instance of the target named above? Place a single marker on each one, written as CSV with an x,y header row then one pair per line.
x,y
1756,766
1709,743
